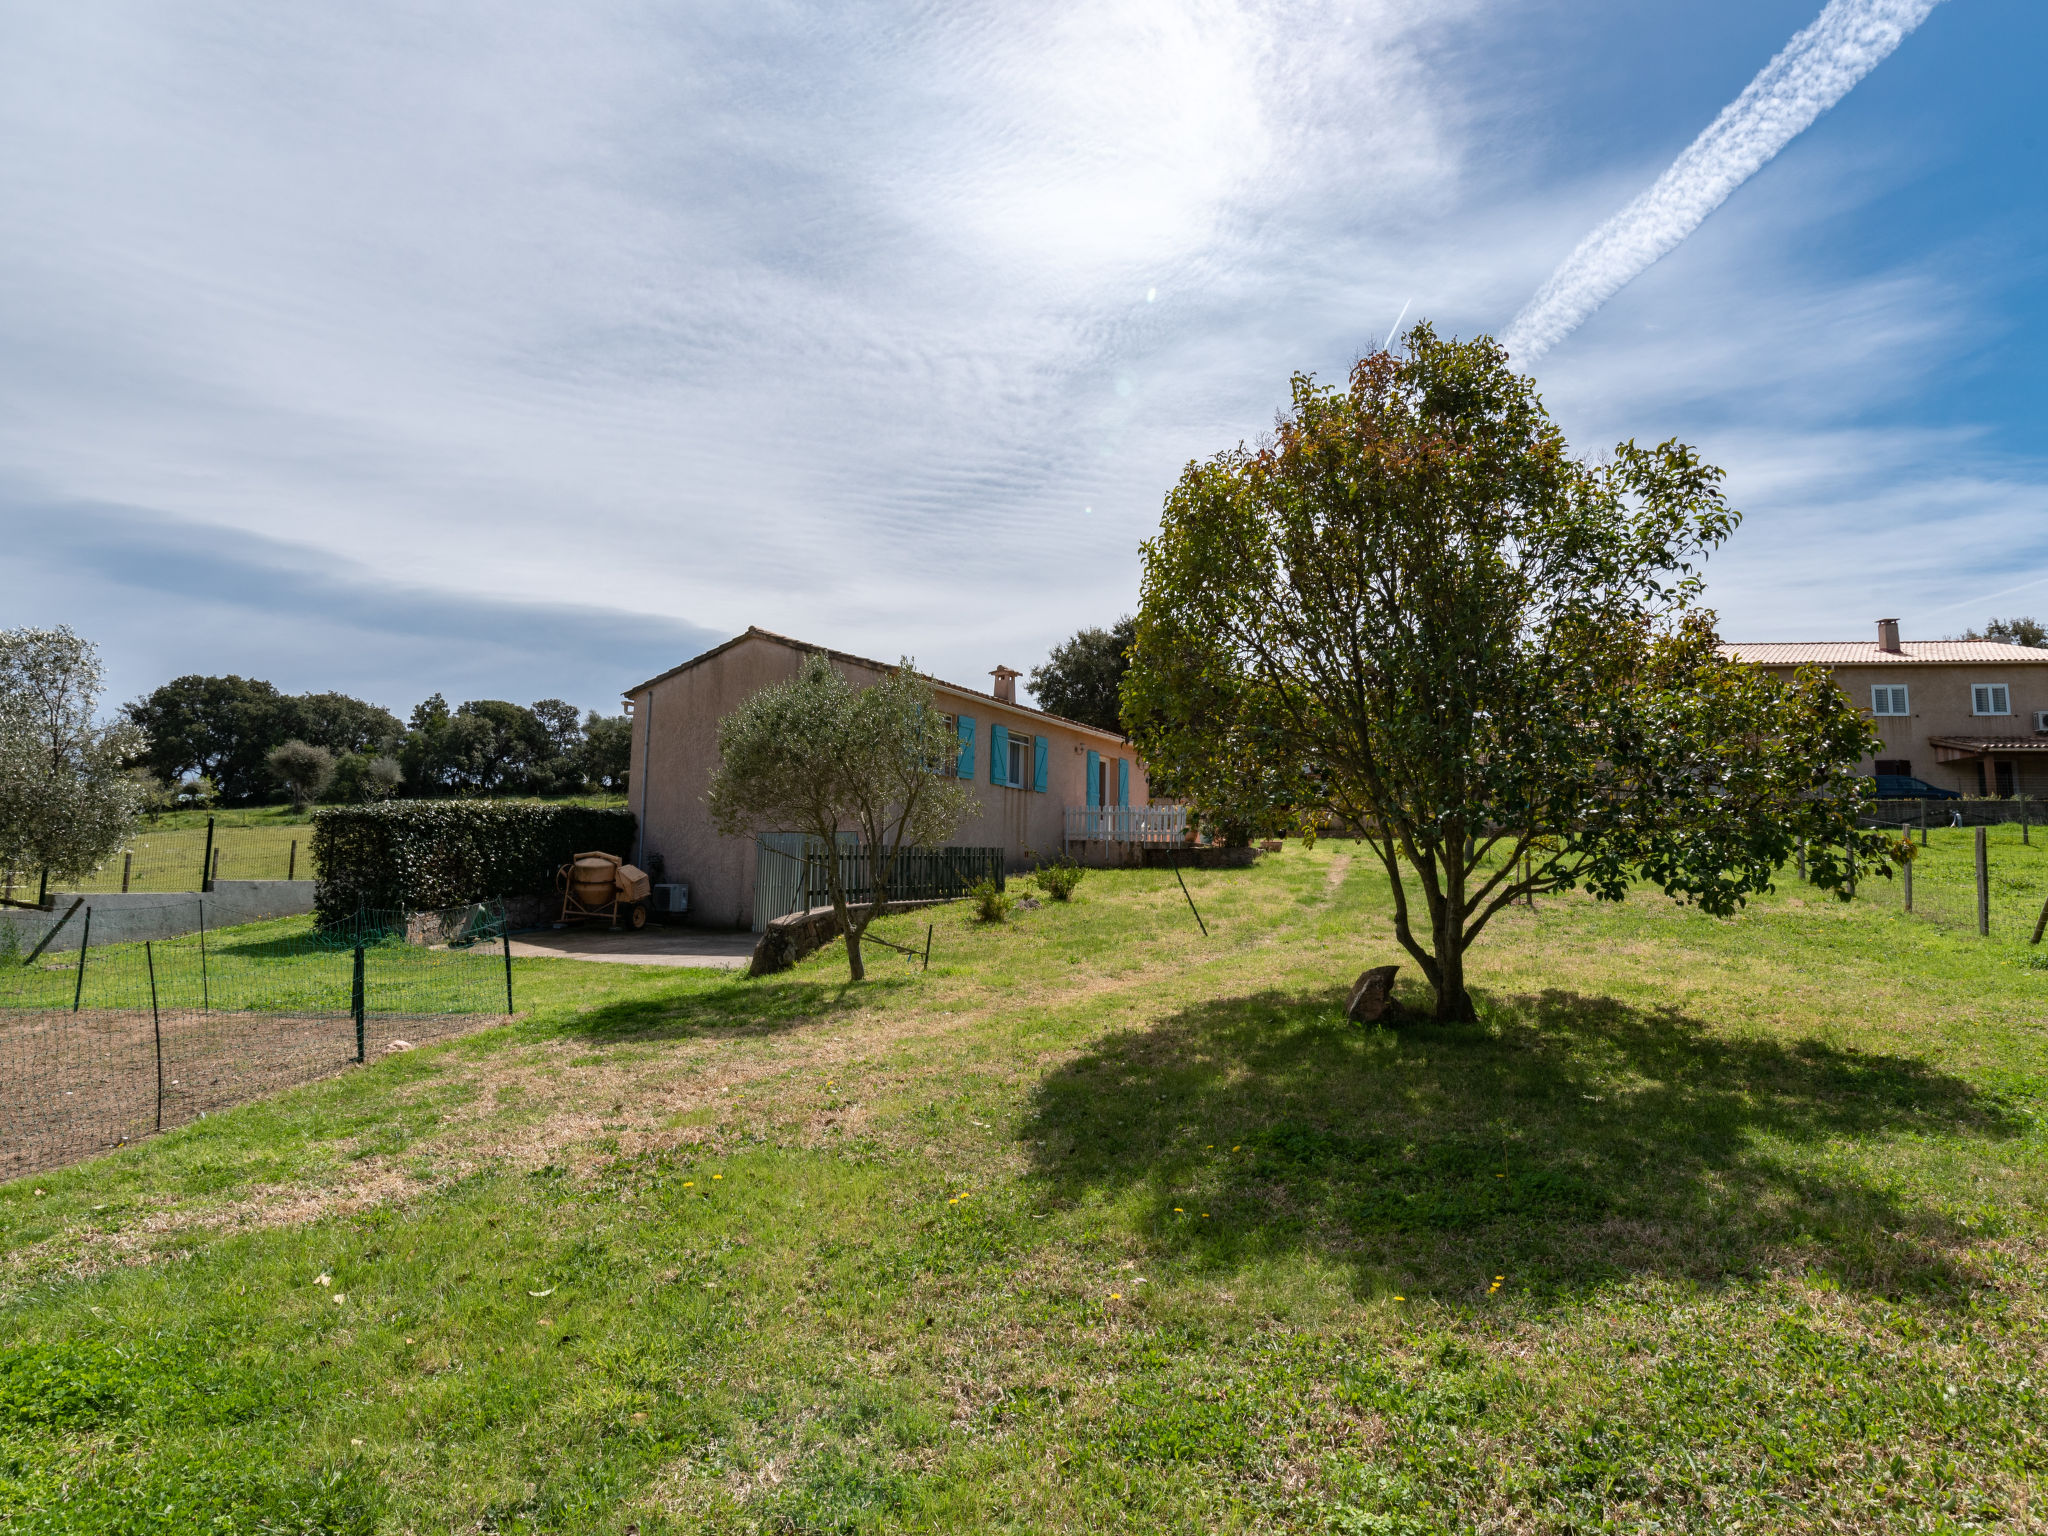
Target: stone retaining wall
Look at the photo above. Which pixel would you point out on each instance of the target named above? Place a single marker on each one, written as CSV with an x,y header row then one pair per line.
x,y
787,940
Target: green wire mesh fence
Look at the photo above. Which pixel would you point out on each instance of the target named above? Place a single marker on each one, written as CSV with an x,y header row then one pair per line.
x,y
104,1043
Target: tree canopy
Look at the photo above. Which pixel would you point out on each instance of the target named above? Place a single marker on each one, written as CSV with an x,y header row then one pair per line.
x,y
66,798
1082,676
2013,632
1413,609
817,755
226,730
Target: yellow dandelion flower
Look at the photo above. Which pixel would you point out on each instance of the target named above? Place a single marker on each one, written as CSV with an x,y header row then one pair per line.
x,y
689,1183
1116,1295
718,1175
1400,1298
1178,1211
1205,1215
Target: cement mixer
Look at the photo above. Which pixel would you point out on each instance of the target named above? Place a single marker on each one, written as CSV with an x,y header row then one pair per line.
x,y
603,885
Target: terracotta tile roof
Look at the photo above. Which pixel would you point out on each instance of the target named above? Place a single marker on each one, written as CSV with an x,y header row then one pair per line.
x,y
756,632
1843,653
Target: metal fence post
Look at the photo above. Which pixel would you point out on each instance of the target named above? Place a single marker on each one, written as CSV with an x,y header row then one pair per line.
x,y
506,937
1983,888
205,984
127,868
1909,882
84,943
157,1028
1923,823
291,868
206,859
355,1003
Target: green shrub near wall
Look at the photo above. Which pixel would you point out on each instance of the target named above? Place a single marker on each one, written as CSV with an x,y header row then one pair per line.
x,y
417,855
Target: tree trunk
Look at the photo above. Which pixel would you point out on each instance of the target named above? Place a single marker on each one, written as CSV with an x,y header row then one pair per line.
x,y
1453,1002
853,952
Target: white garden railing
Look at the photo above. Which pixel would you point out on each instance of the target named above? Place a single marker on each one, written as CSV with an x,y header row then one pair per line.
x,y
1156,824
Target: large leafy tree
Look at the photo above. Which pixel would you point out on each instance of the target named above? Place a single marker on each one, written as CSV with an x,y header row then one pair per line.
x,y
67,800
342,724
817,755
607,750
225,728
1413,607
1081,677
222,728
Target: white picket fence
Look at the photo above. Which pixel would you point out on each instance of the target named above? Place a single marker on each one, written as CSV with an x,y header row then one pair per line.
x,y
1153,824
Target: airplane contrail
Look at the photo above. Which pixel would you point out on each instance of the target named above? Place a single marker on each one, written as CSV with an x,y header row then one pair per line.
x,y
1815,70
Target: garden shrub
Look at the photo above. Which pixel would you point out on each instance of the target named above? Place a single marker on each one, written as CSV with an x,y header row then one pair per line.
x,y
991,901
417,855
1059,878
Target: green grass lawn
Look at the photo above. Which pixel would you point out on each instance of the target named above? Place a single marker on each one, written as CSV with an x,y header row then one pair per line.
x,y
1711,1225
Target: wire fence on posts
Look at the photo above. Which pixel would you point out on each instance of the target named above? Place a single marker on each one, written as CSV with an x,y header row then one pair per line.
x,y
111,1042
184,859
1986,876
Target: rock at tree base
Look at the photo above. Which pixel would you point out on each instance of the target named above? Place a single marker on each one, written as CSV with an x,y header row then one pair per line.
x,y
1372,995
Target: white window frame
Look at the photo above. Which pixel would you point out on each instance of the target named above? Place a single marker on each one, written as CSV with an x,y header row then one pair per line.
x,y
1990,693
1881,694
1021,741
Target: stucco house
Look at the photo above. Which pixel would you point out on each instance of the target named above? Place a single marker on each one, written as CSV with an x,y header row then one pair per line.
x,y
1046,784
1967,715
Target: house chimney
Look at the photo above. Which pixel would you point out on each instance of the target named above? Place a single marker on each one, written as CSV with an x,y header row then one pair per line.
x,y
1888,635
1006,684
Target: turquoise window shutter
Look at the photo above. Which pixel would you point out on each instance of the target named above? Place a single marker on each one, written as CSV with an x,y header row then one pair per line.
x,y
999,754
966,765
1094,780
1041,747
1123,781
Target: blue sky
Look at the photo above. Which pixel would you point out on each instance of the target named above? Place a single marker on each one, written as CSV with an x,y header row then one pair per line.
x,y
519,351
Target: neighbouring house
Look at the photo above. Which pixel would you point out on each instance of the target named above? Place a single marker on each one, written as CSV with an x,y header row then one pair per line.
x,y
1966,715
1047,785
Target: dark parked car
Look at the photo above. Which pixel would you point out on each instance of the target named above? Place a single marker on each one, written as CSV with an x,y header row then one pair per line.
x,y
1897,786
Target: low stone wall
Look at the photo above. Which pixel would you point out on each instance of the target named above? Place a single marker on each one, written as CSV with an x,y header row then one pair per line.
x,y
125,918
787,940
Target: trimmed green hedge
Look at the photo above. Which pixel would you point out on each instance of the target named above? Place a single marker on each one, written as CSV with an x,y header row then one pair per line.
x,y
417,855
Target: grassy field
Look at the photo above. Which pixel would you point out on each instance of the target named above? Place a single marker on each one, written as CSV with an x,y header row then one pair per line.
x,y
1711,1225
271,842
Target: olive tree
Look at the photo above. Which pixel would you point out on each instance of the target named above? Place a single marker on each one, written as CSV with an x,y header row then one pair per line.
x,y
1414,608
67,799
817,755
302,768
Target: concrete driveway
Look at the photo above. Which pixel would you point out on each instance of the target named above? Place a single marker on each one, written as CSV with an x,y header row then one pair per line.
x,y
649,946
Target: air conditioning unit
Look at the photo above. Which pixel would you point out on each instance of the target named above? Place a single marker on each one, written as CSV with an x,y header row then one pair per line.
x,y
671,900
2041,722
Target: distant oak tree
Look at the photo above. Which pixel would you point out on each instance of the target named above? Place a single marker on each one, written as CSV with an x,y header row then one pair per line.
x,y
1082,676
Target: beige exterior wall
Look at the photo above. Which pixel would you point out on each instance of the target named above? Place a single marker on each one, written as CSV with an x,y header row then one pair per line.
x,y
675,749
1939,696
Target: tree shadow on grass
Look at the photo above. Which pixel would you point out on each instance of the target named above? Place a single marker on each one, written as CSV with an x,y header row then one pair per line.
x,y
1568,1141
735,1009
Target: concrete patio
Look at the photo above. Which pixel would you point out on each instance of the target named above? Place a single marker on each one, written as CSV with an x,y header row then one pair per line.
x,y
648,946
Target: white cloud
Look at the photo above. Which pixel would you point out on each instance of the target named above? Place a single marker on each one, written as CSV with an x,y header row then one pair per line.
x,y
813,316
1816,69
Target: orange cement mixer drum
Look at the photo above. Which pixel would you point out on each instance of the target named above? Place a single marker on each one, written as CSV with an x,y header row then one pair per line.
x,y
591,879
